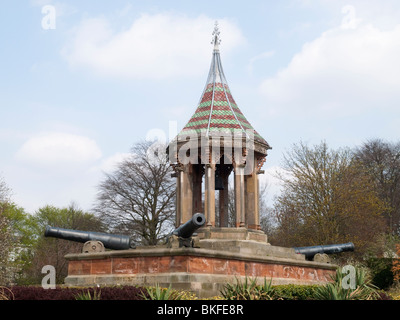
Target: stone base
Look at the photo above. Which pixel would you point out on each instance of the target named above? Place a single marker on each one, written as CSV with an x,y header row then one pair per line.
x,y
203,270
232,234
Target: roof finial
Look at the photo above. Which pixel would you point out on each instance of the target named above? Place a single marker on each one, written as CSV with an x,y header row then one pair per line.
x,y
216,40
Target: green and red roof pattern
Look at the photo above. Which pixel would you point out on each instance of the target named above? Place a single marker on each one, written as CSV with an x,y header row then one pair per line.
x,y
225,114
217,111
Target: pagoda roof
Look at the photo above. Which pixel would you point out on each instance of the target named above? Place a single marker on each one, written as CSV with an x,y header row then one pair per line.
x,y
217,111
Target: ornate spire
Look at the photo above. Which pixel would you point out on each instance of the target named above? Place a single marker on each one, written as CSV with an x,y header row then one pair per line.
x,y
217,111
216,39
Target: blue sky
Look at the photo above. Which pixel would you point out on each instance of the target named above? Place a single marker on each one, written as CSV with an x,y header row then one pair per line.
x,y
75,97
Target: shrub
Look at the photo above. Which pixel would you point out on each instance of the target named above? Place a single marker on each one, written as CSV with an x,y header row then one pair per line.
x,y
248,290
295,292
381,272
158,293
396,265
337,290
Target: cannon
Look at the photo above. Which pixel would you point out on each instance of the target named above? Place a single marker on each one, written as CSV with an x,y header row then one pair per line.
x,y
310,252
109,241
187,229
184,233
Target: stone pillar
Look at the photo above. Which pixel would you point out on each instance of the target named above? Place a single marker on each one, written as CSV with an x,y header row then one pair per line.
x,y
252,200
223,200
209,195
239,195
197,189
178,199
186,194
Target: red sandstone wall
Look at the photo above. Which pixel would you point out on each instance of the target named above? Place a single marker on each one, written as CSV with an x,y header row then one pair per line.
x,y
196,265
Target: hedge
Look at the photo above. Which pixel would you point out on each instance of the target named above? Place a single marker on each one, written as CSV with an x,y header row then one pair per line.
x,y
64,293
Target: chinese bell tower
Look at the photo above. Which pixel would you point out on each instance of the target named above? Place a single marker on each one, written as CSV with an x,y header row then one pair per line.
x,y
218,140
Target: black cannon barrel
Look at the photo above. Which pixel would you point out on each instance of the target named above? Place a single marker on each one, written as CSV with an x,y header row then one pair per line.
x,y
310,252
187,229
110,241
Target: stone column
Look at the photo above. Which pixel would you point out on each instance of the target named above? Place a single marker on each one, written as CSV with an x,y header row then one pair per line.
x,y
209,195
185,194
178,199
197,189
239,195
252,200
223,200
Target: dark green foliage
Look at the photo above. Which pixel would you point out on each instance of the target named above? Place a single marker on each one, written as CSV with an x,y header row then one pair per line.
x,y
295,292
381,272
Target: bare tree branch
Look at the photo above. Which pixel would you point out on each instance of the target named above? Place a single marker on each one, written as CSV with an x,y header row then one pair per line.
x,y
139,196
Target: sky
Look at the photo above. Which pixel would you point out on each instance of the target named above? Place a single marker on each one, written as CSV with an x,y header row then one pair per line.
x,y
82,81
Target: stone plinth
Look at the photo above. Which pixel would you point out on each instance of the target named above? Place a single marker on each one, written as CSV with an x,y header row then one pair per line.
x,y
202,270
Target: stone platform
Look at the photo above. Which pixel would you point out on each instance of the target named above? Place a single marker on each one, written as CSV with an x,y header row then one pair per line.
x,y
219,256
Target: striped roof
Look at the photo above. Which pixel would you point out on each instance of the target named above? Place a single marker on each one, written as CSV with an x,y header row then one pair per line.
x,y
217,111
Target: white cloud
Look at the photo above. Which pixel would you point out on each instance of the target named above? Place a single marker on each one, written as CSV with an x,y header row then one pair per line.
x,y
347,70
154,46
111,163
58,149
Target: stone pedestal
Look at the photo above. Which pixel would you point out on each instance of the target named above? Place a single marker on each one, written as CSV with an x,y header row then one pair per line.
x,y
221,256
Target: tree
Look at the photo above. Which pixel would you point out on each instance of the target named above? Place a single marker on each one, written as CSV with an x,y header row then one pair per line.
x,y
138,198
6,246
381,160
51,251
5,191
267,222
6,235
267,217
326,199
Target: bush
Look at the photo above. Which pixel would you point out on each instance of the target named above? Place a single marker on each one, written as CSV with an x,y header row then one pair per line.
x,y
396,265
337,290
381,272
248,290
158,293
295,292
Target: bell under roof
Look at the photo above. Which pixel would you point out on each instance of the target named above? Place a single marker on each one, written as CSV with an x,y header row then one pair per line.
x,y
217,111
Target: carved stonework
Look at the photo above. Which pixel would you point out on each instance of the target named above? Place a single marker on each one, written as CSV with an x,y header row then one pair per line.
x,y
260,163
177,167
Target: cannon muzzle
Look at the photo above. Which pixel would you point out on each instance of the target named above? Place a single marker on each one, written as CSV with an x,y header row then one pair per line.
x,y
187,229
110,241
310,252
